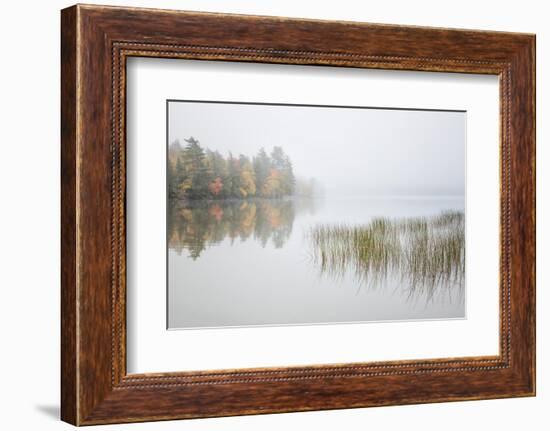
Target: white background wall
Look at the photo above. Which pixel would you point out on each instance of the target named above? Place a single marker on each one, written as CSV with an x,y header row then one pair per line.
x,y
29,227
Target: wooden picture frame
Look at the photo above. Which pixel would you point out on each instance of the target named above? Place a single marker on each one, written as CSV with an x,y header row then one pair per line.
x,y
95,43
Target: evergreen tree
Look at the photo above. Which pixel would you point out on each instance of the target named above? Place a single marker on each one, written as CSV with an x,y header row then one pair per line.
x,y
197,173
262,166
283,173
233,177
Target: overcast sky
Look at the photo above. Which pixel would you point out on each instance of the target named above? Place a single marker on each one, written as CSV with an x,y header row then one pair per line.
x,y
348,150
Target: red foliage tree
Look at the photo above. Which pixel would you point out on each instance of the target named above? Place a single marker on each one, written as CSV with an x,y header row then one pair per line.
x,y
215,186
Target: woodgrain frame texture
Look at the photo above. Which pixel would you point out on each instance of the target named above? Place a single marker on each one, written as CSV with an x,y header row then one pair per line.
x,y
95,44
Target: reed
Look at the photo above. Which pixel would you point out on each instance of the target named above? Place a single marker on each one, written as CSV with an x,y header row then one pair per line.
x,y
426,254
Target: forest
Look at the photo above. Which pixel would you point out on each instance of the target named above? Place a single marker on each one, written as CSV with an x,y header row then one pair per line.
x,y
195,172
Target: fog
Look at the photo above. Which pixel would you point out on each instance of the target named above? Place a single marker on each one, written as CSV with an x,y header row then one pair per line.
x,y
349,151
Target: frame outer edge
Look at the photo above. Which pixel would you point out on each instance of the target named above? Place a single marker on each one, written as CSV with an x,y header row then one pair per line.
x,y
530,62
533,53
532,101
523,216
69,201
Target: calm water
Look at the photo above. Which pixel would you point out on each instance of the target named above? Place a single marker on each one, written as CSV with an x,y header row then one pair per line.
x,y
313,261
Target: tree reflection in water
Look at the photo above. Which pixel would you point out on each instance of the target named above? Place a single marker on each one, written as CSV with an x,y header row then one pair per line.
x,y
195,225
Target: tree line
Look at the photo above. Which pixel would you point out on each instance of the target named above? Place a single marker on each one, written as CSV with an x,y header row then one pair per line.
x,y
198,173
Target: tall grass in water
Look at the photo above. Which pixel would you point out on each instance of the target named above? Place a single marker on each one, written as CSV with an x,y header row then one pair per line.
x,y
426,254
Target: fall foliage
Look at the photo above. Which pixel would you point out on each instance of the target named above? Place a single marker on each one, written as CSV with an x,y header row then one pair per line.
x,y
198,173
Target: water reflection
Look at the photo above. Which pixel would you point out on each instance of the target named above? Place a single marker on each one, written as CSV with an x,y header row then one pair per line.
x,y
423,256
195,225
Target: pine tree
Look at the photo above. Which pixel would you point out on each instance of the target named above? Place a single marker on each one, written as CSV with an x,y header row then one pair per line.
x,y
233,177
262,166
281,175
197,173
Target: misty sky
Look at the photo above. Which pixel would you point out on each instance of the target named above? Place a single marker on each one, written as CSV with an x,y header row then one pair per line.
x,y
349,151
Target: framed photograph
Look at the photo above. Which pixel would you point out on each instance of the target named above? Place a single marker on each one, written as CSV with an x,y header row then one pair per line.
x,y
266,215
296,238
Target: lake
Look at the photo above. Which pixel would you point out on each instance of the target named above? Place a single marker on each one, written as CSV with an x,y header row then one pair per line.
x,y
300,261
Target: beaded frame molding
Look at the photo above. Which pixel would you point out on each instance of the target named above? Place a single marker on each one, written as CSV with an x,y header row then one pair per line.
x,y
95,43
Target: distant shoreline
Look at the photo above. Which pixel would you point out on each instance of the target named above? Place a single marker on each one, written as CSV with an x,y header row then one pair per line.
x,y
319,197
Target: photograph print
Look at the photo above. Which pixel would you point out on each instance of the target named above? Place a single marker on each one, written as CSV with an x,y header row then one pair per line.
x,y
282,214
